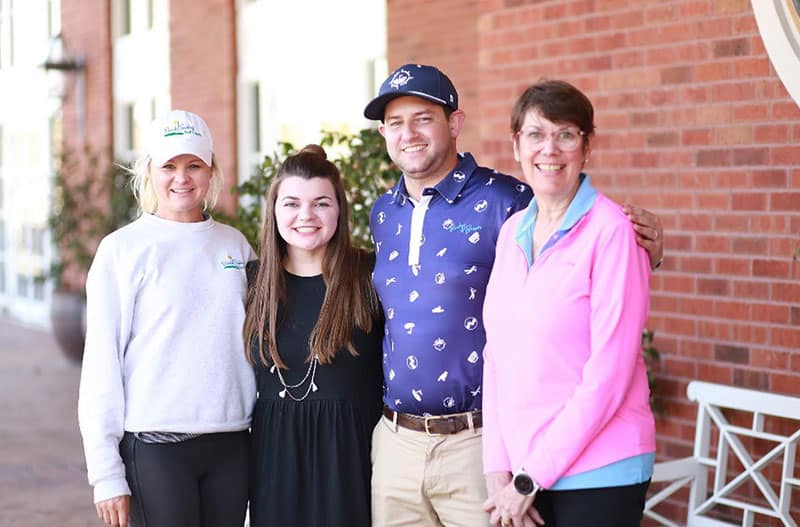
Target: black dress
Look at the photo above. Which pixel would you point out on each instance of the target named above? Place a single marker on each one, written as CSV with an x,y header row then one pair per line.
x,y
311,458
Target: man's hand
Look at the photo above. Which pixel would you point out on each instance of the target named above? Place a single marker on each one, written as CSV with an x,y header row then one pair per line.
x,y
649,233
115,511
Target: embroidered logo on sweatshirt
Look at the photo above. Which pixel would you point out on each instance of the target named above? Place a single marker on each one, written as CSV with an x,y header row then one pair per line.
x,y
232,263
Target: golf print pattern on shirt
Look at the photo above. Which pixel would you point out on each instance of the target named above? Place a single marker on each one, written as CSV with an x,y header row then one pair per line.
x,y
434,329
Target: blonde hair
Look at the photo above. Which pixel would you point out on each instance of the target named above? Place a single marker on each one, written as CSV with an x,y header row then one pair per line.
x,y
145,194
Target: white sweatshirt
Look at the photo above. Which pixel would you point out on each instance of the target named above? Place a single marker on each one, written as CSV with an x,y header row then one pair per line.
x,y
164,349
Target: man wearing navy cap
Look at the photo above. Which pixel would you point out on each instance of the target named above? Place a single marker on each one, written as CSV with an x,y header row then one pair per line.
x,y
434,236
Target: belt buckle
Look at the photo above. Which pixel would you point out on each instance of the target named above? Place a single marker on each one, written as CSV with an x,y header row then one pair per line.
x,y
429,418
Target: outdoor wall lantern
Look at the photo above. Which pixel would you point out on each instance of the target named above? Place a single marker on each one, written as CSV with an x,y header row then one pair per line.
x,y
59,66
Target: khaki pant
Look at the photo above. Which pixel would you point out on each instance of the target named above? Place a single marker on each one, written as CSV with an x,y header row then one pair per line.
x,y
418,480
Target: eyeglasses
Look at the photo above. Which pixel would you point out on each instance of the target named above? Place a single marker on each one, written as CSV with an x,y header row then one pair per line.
x,y
567,140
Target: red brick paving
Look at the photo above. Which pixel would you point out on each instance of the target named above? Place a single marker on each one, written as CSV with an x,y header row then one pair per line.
x,y
42,472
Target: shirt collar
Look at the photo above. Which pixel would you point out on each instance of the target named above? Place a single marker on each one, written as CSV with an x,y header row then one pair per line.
x,y
449,188
581,204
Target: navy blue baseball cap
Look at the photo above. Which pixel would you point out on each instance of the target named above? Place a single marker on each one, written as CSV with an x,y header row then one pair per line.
x,y
413,79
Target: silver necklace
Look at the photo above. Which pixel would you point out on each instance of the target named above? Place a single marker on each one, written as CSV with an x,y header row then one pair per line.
x,y
310,373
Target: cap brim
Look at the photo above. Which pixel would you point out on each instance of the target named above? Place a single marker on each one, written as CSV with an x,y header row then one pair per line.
x,y
161,156
377,106
376,109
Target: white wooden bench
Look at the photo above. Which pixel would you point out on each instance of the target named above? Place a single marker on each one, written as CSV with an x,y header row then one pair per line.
x,y
728,455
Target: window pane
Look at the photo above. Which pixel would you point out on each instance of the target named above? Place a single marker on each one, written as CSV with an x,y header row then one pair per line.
x,y
54,17
3,14
255,105
23,238
22,285
37,241
38,289
128,116
10,32
125,17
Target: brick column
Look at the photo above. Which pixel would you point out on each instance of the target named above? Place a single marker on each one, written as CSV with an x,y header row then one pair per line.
x,y
87,114
93,42
203,75
444,35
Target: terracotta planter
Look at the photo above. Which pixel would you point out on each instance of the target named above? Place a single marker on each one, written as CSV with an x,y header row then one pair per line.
x,y
66,314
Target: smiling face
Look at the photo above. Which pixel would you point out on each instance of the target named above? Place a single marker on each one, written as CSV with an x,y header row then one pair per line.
x,y
551,164
181,185
306,214
421,140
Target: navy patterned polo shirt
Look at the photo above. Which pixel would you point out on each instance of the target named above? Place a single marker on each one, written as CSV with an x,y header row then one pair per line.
x,y
433,260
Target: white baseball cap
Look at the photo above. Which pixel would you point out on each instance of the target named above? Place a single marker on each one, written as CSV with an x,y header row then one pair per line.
x,y
179,132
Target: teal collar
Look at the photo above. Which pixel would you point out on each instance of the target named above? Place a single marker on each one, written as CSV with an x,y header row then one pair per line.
x,y
581,204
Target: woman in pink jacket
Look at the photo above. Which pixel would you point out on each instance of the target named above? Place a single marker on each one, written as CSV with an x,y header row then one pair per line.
x,y
568,437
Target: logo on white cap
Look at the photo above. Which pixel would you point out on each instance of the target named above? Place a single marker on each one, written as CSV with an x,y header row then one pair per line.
x,y
180,128
180,132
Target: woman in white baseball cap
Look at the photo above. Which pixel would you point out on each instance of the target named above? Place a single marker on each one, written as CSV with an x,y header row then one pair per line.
x,y
166,392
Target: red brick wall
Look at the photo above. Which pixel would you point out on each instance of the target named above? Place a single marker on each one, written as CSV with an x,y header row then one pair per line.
x,y
95,47
203,76
95,109
692,122
444,34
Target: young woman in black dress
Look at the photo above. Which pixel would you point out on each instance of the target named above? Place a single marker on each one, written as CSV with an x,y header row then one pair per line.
x,y
315,328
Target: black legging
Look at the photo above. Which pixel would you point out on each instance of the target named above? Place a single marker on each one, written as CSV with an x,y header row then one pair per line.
x,y
201,482
602,507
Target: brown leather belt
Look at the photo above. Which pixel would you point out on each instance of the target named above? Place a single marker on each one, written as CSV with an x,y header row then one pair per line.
x,y
436,424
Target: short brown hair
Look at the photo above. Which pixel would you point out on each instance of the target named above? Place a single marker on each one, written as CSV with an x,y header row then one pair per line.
x,y
557,101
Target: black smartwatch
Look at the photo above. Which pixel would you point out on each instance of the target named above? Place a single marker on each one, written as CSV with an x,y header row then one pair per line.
x,y
525,484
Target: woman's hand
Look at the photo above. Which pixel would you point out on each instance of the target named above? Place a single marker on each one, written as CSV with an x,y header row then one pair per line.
x,y
507,507
649,233
115,511
495,481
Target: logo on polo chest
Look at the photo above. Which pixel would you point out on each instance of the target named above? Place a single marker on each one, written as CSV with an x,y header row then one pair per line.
x,y
229,262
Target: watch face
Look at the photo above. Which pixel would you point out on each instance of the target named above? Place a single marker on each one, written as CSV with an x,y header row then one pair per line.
x,y
524,484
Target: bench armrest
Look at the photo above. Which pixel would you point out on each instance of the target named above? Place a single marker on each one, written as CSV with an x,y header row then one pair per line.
x,y
687,467
679,473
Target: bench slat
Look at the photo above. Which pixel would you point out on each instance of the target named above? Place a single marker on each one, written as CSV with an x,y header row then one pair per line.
x,y
744,399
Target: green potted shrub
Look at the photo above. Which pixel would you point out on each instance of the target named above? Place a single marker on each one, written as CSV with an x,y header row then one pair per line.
x,y
91,198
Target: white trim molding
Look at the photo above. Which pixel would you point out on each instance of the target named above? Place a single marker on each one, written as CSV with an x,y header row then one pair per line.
x,y
779,24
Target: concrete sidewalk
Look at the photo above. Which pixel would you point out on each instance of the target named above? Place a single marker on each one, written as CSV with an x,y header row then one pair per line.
x,y
42,472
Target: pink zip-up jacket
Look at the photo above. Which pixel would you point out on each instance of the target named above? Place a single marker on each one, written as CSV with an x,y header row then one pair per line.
x,y
565,384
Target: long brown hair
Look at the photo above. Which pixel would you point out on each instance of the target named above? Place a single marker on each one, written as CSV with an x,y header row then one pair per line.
x,y
350,297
